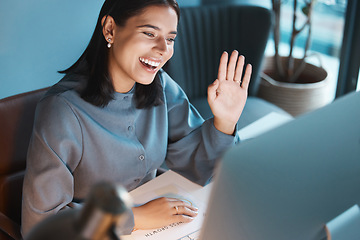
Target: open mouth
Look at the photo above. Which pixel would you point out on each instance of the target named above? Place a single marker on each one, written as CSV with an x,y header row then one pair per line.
x,y
152,65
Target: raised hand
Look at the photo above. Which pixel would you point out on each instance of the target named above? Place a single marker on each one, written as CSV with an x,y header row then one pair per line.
x,y
163,211
228,93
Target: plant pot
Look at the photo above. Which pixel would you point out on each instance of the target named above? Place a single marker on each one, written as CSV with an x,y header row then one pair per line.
x,y
310,92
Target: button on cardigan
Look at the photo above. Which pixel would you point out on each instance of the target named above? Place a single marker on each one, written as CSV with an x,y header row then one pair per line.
x,y
76,144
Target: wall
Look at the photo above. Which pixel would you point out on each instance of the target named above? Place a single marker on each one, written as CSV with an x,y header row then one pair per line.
x,y
40,37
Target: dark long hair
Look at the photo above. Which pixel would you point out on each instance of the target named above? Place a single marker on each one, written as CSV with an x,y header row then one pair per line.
x,y
93,63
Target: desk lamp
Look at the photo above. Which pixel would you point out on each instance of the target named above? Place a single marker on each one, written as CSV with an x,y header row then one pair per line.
x,y
106,207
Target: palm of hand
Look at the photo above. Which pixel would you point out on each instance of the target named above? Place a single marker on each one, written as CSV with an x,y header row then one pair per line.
x,y
227,95
229,101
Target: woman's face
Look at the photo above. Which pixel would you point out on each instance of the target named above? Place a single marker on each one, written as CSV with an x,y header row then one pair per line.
x,y
141,47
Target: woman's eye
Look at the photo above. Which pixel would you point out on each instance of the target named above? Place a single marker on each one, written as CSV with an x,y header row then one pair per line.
x,y
171,39
149,34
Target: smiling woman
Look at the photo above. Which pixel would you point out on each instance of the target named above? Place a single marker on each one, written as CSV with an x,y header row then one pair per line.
x,y
141,47
118,22
117,116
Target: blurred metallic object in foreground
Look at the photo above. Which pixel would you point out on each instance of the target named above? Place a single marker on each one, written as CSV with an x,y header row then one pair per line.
x,y
107,206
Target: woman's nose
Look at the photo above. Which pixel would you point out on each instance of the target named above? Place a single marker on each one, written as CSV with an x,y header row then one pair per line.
x,y
161,45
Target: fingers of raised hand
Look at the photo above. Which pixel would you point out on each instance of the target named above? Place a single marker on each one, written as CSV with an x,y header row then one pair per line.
x,y
232,65
239,69
223,66
247,76
233,69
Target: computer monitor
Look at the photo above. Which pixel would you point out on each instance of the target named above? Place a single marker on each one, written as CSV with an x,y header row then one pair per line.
x,y
289,182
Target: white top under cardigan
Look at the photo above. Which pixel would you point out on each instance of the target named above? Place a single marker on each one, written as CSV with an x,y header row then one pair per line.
x,y
76,144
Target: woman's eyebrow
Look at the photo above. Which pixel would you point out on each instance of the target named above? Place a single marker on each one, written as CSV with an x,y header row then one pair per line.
x,y
154,27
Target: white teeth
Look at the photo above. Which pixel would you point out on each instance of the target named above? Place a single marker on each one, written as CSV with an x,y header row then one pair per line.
x,y
151,63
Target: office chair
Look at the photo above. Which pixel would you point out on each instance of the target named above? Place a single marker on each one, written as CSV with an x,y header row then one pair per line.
x,y
16,122
204,32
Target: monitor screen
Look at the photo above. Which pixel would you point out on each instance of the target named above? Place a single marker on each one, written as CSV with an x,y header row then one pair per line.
x,y
289,182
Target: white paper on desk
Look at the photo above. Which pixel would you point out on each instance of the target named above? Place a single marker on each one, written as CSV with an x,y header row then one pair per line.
x,y
171,184
264,124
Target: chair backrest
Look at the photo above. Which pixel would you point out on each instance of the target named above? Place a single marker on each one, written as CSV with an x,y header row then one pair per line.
x,y
16,123
204,32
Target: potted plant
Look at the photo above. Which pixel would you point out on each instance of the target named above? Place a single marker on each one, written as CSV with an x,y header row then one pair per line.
x,y
289,82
